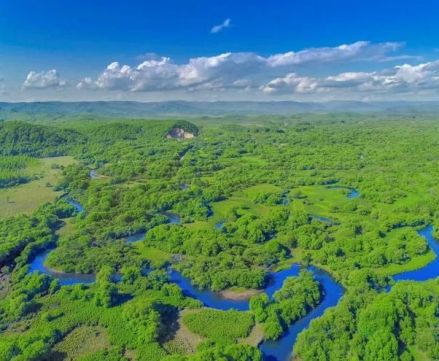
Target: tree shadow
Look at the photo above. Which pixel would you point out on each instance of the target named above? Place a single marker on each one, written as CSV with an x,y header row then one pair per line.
x,y
170,326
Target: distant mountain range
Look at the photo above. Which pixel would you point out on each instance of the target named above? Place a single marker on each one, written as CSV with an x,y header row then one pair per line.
x,y
189,108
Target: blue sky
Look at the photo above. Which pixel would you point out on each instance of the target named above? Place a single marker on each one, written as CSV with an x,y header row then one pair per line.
x,y
253,50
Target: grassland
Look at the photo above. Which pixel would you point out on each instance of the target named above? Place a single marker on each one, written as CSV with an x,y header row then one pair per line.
x,y
27,197
220,325
81,341
184,341
157,257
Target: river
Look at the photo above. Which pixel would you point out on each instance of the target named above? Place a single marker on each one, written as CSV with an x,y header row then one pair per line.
x,y
282,349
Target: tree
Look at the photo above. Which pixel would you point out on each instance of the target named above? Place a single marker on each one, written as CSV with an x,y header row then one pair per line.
x,y
106,290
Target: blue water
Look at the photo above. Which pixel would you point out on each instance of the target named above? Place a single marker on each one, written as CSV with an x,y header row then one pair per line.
x,y
93,174
429,271
215,300
273,350
208,298
173,218
282,349
136,237
65,279
78,207
219,226
353,194
322,219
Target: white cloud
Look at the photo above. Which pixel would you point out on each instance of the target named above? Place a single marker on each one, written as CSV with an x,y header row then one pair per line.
x,y
228,69
291,83
360,50
299,73
404,78
217,28
223,69
86,83
43,80
213,72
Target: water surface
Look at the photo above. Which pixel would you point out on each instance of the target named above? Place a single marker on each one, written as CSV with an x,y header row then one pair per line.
x,y
219,226
173,217
65,279
282,349
429,271
279,350
353,194
78,207
93,174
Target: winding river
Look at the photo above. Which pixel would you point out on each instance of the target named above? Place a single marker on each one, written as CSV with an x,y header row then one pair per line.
x,y
429,271
282,349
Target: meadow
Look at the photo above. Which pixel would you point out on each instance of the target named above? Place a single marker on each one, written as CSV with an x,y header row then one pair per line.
x,y
39,188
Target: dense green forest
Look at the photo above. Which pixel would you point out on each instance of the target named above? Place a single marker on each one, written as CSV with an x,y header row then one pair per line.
x,y
253,196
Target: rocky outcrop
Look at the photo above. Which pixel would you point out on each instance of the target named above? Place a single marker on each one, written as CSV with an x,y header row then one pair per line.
x,y
179,133
182,129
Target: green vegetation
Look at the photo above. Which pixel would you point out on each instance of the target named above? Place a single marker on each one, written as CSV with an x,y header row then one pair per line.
x,y
253,197
82,341
13,170
25,234
294,300
22,138
370,326
42,176
221,326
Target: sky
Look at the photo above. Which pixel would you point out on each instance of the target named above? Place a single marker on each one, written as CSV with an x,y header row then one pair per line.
x,y
300,50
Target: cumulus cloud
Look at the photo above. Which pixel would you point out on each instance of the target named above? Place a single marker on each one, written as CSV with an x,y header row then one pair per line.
x,y
245,70
360,50
291,83
43,80
217,28
213,72
149,75
399,79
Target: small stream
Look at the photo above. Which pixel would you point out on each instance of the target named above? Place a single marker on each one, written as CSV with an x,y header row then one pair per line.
x,y
65,279
78,207
353,193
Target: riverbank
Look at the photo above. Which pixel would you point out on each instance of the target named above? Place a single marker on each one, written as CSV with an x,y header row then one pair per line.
x,y
239,294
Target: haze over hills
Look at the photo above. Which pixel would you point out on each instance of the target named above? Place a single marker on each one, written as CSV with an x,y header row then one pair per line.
x,y
189,108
